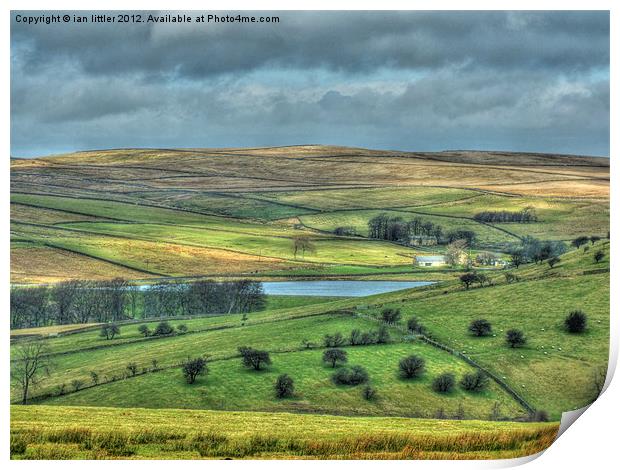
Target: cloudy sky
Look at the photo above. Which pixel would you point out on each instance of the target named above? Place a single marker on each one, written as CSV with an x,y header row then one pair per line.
x,y
530,81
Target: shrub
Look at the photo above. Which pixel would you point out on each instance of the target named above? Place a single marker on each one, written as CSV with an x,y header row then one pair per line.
x,y
94,376
475,381
355,338
333,341
539,416
598,256
182,328
110,330
576,322
76,384
192,368
155,364
144,330
334,356
577,242
411,367
515,338
383,335
254,358
511,277
444,383
284,386
163,329
132,367
414,326
390,315
468,279
480,327
553,261
369,393
353,376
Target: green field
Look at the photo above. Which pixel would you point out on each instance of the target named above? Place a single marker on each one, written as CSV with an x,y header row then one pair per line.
x,y
153,215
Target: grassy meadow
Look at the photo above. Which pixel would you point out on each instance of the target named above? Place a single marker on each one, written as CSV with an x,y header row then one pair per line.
x,y
151,215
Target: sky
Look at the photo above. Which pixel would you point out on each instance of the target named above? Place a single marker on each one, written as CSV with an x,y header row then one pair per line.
x,y
419,81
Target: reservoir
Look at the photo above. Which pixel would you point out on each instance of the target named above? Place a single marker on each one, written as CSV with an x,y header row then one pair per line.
x,y
338,288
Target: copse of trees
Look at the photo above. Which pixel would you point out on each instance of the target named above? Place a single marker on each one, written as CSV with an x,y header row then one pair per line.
x,y
346,230
579,241
254,358
116,300
163,329
576,322
415,327
534,250
524,216
385,227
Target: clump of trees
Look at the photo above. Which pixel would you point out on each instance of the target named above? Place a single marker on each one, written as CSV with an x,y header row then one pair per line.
x,y
576,322
416,230
345,230
480,327
358,338
254,358
444,383
334,356
303,244
411,367
534,250
117,300
515,338
524,216
355,375
284,386
192,368
474,382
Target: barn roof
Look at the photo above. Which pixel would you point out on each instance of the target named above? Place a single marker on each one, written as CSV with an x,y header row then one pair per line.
x,y
430,259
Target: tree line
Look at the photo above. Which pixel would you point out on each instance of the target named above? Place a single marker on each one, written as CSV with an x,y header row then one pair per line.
x,y
524,216
385,227
116,300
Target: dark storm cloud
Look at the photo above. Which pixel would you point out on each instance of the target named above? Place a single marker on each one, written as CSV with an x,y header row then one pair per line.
x,y
410,80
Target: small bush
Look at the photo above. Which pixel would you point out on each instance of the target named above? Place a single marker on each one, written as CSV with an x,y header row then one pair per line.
x,y
411,367
144,330
382,335
480,327
576,322
369,393
76,384
598,256
284,386
182,328
333,341
540,416
354,376
110,330
515,338
390,315
475,381
444,383
415,327
163,329
132,368
254,358
192,368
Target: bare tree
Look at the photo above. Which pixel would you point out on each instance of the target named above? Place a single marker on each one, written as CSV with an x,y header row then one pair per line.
x,y
31,365
302,243
599,375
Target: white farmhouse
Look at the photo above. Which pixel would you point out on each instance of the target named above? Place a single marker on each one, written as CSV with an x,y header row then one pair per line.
x,y
429,261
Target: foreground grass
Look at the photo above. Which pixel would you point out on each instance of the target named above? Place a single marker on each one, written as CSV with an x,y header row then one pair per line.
x,y
49,432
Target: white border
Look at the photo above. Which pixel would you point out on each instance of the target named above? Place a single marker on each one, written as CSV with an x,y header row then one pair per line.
x,y
591,443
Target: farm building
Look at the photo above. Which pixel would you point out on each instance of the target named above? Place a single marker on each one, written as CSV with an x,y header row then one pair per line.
x,y
429,261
